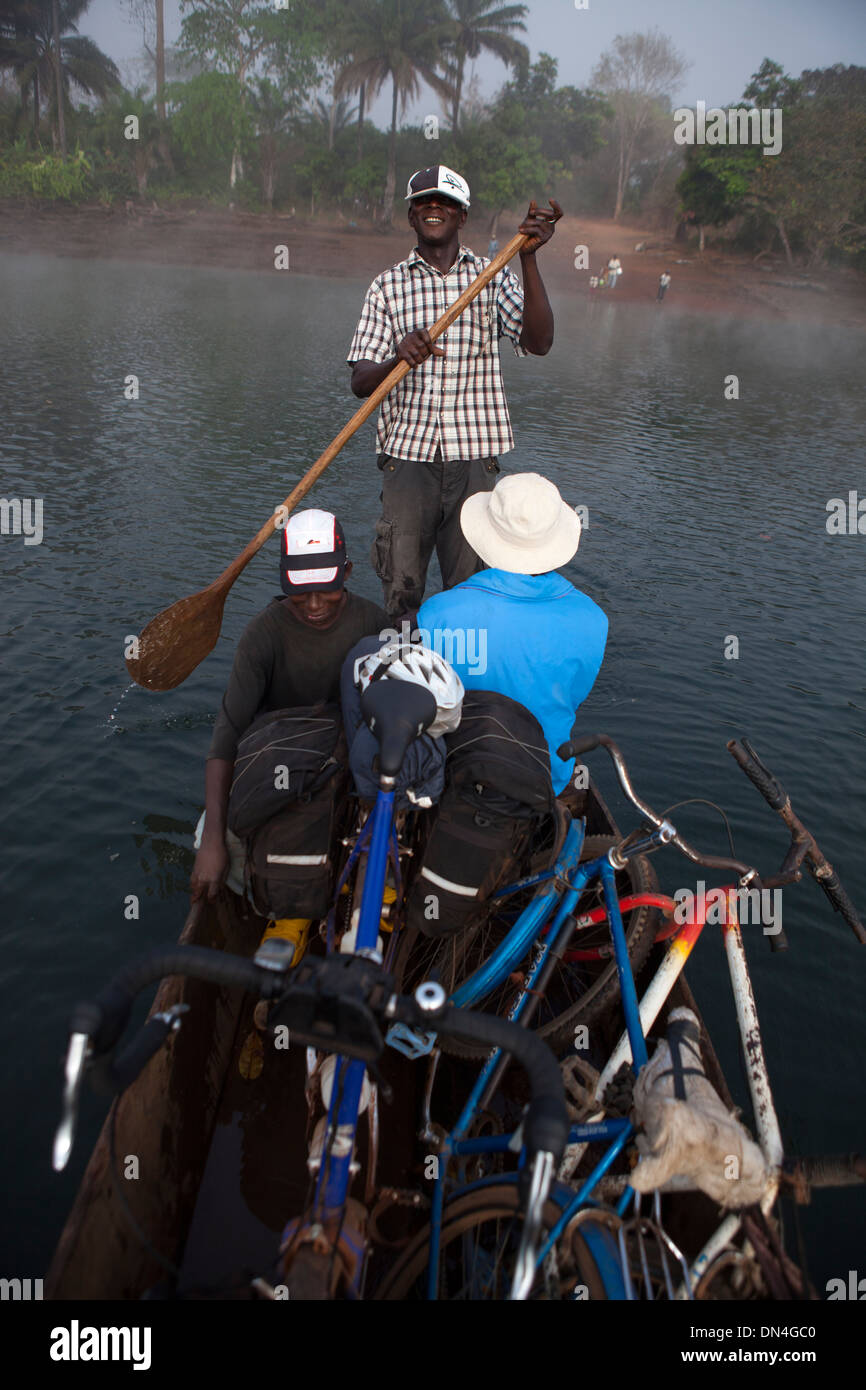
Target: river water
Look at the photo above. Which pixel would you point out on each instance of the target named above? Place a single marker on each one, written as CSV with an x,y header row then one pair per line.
x,y
707,522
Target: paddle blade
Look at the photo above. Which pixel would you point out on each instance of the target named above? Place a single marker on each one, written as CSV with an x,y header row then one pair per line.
x,y
177,639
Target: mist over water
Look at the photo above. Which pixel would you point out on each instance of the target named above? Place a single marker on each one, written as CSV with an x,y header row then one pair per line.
x,y
706,521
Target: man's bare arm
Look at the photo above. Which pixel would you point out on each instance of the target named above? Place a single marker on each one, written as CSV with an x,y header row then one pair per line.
x,y
537,333
212,861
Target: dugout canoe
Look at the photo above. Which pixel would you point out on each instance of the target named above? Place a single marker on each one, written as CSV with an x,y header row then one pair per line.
x,y
221,1157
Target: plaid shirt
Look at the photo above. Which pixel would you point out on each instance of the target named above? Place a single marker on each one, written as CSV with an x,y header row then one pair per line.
x,y
457,402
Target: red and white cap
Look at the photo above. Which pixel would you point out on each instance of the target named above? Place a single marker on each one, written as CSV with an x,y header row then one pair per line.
x,y
312,553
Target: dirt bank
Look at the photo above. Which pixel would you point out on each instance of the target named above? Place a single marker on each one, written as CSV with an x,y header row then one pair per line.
x,y
717,282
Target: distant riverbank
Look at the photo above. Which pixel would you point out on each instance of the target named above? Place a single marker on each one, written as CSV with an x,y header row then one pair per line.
x,y
186,234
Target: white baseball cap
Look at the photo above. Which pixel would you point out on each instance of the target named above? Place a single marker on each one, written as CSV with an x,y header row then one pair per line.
x,y
523,525
312,553
438,179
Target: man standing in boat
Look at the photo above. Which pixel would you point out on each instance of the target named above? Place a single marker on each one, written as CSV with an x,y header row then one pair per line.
x,y
443,428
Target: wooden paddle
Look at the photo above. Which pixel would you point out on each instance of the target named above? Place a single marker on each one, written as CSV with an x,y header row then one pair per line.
x,y
178,638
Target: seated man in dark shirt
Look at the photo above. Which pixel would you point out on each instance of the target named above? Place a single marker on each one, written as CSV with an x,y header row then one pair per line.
x,y
290,655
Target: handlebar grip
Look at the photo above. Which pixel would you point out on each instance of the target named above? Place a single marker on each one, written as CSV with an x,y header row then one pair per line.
x,y
759,775
113,1006
134,1058
576,746
842,904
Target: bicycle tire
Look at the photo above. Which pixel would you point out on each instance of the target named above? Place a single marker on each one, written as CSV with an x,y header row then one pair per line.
x,y
464,1215
595,985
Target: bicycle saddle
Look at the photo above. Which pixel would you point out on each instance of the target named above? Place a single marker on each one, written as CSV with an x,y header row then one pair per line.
x,y
396,712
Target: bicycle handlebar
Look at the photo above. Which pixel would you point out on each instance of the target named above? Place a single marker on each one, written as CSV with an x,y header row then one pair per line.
x,y
576,746
804,847
758,773
104,1018
809,851
315,993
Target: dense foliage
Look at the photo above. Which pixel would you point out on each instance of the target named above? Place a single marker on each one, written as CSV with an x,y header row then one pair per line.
x,y
812,195
266,105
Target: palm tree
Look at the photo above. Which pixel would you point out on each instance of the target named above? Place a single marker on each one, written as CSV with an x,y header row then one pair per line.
x,y
35,42
484,27
334,115
401,41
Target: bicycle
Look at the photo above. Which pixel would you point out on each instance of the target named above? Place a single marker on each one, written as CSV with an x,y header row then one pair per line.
x,y
339,1005
465,1247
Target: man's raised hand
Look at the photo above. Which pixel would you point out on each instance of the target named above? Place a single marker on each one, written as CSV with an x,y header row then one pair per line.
x,y
538,225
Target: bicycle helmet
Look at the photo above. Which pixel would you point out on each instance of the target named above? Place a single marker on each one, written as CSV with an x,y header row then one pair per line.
x,y
409,661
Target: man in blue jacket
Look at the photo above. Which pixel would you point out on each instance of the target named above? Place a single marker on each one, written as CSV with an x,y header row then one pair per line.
x,y
519,628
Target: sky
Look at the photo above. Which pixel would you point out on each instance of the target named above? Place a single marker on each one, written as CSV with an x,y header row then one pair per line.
x,y
725,40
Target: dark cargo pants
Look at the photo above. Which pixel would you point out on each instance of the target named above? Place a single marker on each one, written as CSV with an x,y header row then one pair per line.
x,y
421,504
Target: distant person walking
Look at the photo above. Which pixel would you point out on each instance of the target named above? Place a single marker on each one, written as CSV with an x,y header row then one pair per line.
x,y
614,270
492,248
664,281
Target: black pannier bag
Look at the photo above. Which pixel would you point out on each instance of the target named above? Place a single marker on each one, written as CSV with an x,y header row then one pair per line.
x,y
287,794
497,790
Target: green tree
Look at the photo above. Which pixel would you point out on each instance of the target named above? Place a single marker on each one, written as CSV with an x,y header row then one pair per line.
x,y
482,26
238,37
716,183
529,141
771,86
211,124
637,73
40,43
139,155
332,116
814,189
401,42
270,119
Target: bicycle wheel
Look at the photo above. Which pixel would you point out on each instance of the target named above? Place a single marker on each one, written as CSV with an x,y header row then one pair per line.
x,y
578,992
479,1241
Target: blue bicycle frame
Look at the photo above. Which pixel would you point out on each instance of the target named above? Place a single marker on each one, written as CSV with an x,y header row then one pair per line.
x,y
567,881
492,972
334,1178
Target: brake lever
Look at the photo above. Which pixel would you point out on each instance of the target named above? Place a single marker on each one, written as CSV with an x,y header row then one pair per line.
x,y
524,1268
77,1057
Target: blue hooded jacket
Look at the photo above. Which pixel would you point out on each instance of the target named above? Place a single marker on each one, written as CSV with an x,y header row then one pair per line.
x,y
535,638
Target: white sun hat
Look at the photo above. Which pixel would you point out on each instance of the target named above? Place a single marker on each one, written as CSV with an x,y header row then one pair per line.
x,y
523,525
